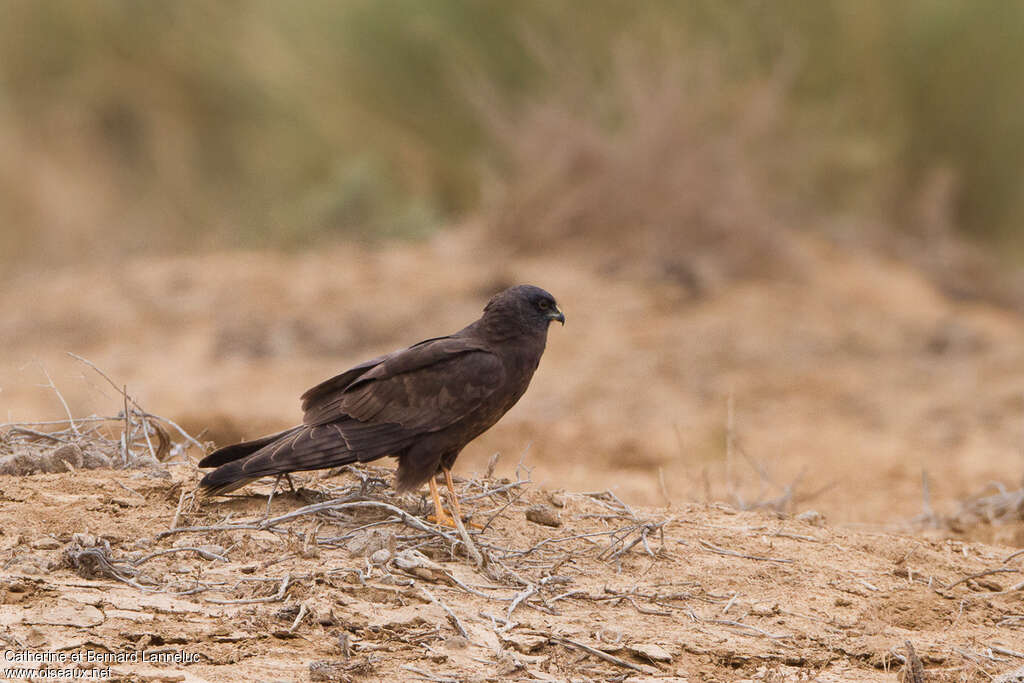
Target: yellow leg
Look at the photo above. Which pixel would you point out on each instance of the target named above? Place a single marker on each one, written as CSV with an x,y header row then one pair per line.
x,y
439,516
455,498
451,492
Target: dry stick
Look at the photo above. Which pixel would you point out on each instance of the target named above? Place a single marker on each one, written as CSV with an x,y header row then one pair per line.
x,y
664,488
981,574
214,527
273,490
730,442
490,492
251,601
177,511
732,553
337,504
43,423
126,437
492,462
145,435
867,585
41,435
426,675
1007,652
926,505
474,554
60,396
451,615
798,537
298,618
538,546
642,668
142,413
532,590
913,665
741,625
205,554
130,490
511,501
1012,589
174,424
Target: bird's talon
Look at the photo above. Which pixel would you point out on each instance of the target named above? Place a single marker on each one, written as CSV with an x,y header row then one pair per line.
x,y
449,521
442,521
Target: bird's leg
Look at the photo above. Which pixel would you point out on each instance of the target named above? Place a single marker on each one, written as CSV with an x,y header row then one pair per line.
x,y
273,490
288,478
439,516
455,497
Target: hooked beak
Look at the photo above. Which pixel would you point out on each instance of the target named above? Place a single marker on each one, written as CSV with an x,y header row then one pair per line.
x,y
556,314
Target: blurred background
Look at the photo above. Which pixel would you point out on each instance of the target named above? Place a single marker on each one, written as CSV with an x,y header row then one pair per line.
x,y
786,235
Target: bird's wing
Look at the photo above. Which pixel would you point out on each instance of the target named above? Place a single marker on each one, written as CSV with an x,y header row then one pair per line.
x,y
423,388
330,388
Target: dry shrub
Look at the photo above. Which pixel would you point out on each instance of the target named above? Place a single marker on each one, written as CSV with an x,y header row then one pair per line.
x,y
662,163
997,504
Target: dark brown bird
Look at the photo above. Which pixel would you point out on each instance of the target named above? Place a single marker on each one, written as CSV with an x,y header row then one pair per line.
x,y
421,404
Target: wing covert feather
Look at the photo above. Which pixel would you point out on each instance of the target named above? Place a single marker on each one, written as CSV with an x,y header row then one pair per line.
x,y
423,388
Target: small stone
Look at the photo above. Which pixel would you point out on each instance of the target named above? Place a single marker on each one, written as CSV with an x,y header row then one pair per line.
x,y
765,609
380,557
525,642
94,460
557,499
456,643
46,544
812,517
611,639
416,563
367,542
654,653
84,540
69,454
145,461
542,514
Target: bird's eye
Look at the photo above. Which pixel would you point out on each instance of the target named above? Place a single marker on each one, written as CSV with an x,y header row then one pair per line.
x,y
544,304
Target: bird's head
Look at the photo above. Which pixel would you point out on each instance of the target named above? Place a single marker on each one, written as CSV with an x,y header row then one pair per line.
x,y
526,306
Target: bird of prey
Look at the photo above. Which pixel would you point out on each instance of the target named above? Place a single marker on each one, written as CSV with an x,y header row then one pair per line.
x,y
421,404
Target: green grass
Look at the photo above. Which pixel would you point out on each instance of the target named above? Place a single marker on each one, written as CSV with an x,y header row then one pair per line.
x,y
269,123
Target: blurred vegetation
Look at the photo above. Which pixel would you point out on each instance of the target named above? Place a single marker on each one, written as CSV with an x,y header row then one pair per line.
x,y
130,126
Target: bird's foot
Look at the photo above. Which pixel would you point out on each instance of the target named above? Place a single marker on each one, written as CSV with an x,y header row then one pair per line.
x,y
447,520
444,520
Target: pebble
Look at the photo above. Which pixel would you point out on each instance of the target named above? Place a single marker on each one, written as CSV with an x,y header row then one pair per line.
x,y
542,514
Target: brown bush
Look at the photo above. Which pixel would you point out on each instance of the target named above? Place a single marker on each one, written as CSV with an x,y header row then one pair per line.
x,y
650,165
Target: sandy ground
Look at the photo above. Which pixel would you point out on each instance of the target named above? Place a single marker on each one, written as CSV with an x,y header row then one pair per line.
x,y
849,378
684,592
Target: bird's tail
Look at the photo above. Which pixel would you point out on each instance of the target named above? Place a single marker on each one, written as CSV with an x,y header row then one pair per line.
x,y
295,449
240,450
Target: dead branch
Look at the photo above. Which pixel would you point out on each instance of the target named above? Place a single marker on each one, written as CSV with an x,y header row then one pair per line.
x,y
612,659
732,553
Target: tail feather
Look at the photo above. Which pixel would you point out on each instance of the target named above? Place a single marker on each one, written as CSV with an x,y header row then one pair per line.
x,y
240,450
298,449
